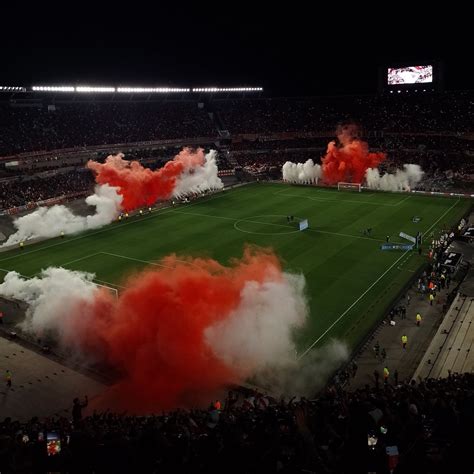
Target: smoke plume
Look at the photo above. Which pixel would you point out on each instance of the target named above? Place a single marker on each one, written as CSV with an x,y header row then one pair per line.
x,y
348,160
199,179
53,299
301,173
189,172
401,180
304,376
123,185
48,222
180,333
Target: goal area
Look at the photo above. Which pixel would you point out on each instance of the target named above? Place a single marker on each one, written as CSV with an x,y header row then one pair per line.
x,y
349,187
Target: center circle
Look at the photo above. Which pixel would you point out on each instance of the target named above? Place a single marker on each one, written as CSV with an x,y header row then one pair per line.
x,y
279,224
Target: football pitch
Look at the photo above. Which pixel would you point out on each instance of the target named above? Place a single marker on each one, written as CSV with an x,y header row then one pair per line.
x,y
350,281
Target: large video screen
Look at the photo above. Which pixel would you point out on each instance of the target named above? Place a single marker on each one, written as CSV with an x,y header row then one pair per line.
x,y
410,75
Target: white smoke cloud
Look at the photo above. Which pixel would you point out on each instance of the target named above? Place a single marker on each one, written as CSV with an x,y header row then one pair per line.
x,y
258,334
52,299
302,173
47,222
401,180
200,178
258,339
305,376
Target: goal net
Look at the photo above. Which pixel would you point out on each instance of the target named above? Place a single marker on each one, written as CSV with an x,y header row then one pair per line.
x,y
349,187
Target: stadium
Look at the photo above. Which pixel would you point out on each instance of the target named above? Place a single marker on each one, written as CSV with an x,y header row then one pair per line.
x,y
230,278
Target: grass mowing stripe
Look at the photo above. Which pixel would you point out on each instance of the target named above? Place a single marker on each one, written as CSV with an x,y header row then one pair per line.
x,y
313,198
352,305
112,285
109,227
403,200
8,271
338,269
251,221
135,259
79,259
371,286
147,261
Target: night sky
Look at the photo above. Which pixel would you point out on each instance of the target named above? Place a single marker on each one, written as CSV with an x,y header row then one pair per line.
x,y
287,52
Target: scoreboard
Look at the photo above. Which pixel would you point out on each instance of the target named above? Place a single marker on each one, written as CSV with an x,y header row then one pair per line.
x,y
419,77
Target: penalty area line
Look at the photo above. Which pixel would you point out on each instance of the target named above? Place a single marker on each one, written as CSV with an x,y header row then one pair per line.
x,y
134,259
148,262
112,285
156,213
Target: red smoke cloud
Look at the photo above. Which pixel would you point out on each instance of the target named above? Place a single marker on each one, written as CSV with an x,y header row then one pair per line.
x,y
154,334
350,160
141,186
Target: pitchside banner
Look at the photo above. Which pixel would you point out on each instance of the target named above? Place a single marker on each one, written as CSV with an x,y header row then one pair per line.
x,y
396,246
408,237
304,224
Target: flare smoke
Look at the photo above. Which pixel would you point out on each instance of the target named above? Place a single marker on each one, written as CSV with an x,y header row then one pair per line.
x,y
183,331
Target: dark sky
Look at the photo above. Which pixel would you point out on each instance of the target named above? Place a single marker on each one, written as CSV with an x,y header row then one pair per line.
x,y
288,51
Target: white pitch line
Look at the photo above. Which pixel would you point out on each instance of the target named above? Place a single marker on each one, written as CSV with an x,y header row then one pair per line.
x,y
352,305
370,287
79,259
112,285
278,225
8,271
148,261
403,263
314,198
403,200
346,235
135,259
95,279
111,227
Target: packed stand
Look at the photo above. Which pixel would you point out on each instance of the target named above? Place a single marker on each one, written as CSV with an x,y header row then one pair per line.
x,y
425,426
21,192
68,124
423,112
87,124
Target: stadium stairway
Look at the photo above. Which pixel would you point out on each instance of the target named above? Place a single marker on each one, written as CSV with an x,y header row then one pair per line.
x,y
452,348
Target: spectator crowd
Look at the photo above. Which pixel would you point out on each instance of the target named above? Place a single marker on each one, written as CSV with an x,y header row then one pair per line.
x,y
87,124
426,129
412,426
23,191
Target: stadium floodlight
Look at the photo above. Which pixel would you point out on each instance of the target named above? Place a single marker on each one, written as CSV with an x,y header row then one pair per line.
x,y
151,90
12,89
53,88
227,89
94,89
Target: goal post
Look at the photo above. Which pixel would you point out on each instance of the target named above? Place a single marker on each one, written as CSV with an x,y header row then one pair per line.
x,y
341,186
113,291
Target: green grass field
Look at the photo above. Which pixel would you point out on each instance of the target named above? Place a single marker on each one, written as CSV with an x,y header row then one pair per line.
x,y
350,281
